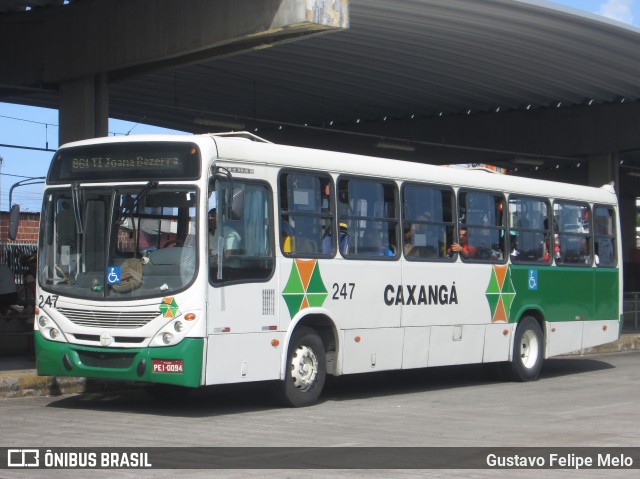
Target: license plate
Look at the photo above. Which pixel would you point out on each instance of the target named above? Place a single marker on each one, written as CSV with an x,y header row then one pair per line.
x,y
167,365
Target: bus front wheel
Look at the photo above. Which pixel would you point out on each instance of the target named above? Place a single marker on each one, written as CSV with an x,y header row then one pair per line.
x,y
528,352
306,370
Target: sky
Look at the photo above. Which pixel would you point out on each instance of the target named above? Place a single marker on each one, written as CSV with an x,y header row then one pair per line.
x,y
37,128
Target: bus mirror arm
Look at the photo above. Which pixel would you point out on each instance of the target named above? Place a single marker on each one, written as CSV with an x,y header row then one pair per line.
x,y
14,217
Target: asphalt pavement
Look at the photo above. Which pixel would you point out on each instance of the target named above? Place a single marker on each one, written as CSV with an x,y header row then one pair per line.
x,y
18,377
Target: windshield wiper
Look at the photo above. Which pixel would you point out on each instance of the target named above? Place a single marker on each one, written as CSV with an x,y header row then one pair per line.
x,y
78,202
127,209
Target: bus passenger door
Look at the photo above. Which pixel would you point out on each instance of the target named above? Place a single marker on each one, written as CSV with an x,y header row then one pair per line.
x,y
243,339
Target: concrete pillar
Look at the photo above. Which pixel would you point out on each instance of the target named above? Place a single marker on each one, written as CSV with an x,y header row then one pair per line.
x,y
84,108
628,226
604,169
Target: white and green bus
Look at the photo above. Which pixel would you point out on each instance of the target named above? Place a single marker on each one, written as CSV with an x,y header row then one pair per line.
x,y
320,263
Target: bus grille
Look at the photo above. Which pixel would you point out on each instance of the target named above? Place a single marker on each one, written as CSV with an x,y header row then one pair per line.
x,y
109,319
106,360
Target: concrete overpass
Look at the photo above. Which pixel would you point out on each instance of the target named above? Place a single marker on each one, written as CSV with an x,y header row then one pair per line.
x,y
540,89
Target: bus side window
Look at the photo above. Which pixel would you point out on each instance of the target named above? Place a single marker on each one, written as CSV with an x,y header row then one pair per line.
x,y
574,233
528,230
306,214
481,215
368,217
605,236
427,222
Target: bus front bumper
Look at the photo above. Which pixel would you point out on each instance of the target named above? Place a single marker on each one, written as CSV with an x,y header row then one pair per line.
x,y
179,365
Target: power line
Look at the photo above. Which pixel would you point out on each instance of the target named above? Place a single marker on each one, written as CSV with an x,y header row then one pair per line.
x,y
15,176
47,124
22,147
28,121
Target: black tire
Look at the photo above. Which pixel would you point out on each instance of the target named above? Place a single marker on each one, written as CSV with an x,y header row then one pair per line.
x,y
528,352
306,370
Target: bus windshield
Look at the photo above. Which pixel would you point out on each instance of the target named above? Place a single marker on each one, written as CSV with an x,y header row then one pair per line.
x,y
118,242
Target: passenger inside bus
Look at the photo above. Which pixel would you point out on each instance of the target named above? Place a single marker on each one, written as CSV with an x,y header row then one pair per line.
x,y
231,238
343,240
409,248
421,239
513,241
286,235
556,242
463,247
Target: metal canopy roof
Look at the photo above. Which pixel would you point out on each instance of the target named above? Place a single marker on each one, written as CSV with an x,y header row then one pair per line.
x,y
398,58
402,58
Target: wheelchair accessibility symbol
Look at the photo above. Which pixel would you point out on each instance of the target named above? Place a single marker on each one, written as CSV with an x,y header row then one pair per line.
x,y
533,280
113,277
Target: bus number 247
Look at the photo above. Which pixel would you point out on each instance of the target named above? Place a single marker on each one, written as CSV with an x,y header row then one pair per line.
x,y
51,300
343,291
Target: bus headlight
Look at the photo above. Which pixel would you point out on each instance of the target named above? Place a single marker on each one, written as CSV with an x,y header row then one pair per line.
x,y
174,331
49,329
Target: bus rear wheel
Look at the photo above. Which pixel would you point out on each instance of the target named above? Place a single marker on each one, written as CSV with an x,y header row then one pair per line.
x,y
306,370
528,352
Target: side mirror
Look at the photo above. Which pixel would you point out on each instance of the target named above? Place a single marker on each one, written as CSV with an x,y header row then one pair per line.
x,y
14,222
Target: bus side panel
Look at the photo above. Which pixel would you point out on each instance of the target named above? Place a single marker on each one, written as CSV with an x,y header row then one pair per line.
x,y
355,291
606,294
234,358
369,350
564,294
497,342
605,327
437,294
563,337
415,353
462,344
599,332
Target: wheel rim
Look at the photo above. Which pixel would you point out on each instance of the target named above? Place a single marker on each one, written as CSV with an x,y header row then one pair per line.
x,y
304,368
529,349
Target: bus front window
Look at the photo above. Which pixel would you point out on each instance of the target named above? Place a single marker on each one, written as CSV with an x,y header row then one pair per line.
x,y
132,243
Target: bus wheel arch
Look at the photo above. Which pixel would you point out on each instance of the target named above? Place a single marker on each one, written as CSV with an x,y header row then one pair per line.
x,y
528,351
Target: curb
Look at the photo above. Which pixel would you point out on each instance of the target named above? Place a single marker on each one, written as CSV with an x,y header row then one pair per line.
x,y
26,383
626,342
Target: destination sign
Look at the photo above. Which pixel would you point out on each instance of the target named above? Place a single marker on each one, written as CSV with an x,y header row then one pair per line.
x,y
126,162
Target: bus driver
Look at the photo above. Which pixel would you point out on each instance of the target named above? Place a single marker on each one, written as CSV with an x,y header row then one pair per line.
x,y
229,234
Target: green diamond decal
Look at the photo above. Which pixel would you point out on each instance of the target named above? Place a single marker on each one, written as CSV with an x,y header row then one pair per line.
x,y
493,302
294,285
316,286
500,293
169,307
294,302
304,287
